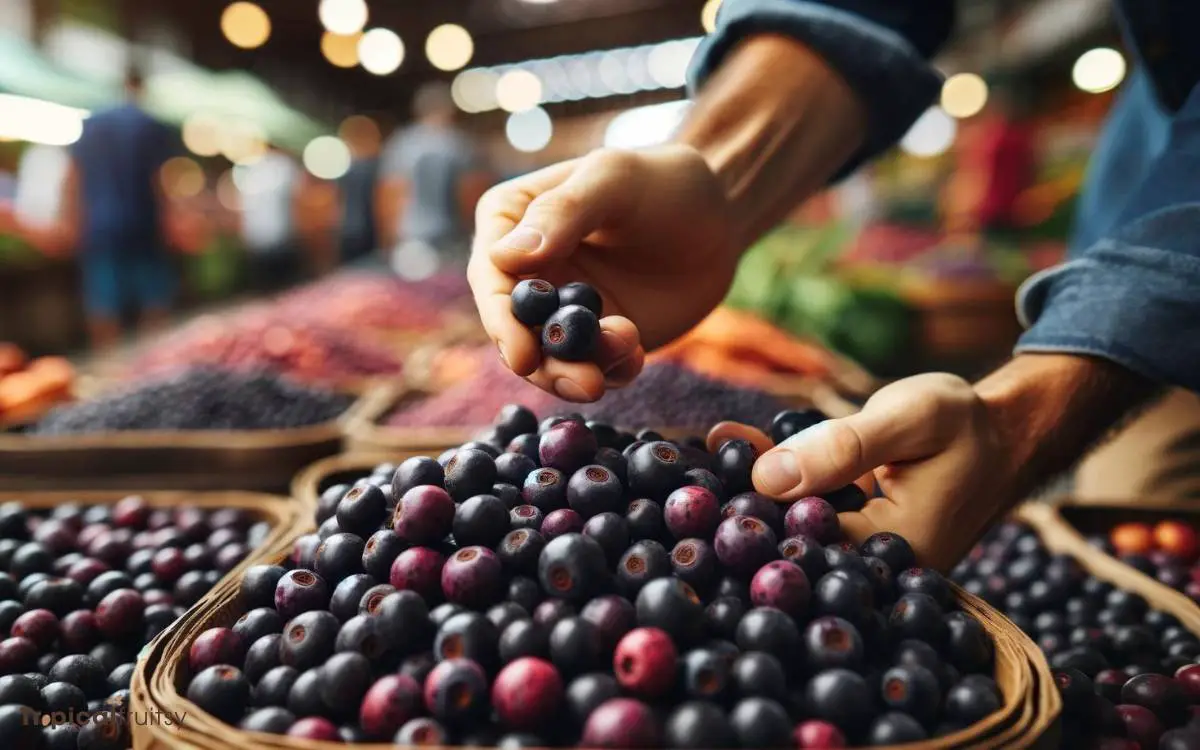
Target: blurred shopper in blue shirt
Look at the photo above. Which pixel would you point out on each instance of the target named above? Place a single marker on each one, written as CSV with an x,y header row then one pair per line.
x,y
793,93
122,254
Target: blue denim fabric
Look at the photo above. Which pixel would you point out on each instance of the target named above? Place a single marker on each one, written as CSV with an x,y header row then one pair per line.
x,y
1130,291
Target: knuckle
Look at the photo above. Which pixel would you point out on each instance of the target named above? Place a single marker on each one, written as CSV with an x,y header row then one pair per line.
x,y
557,202
844,446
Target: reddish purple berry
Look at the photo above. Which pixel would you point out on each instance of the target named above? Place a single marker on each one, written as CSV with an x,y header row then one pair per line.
x,y
813,517
300,591
419,569
424,515
314,728
120,613
85,570
567,446
744,544
473,578
692,512
168,564
622,723
527,693
17,655
561,521
216,646
695,562
613,616
131,513
817,734
393,701
39,626
644,662
783,585
456,691
79,632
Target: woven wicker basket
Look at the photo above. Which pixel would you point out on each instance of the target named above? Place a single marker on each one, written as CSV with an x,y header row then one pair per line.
x,y
366,433
187,460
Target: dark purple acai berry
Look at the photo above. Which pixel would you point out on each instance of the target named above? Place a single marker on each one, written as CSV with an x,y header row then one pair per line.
x,y
392,702
561,521
783,585
622,723
512,468
339,556
925,581
842,698
526,517
612,532
912,689
580,293
691,512
706,479
80,633
304,551
418,569
732,464
891,548
18,655
613,616
417,471
524,638
757,673
39,626
469,635
788,423
814,518
480,520
362,510
847,499
403,622
807,553
642,562
968,645
520,549
705,674
645,519
473,578
722,615
348,594
424,515
457,691
509,494
831,642
216,646
568,447
533,301
575,646
469,472
694,562
380,551
571,334
771,631
573,567
526,444
120,614
846,594
656,470
1160,694
308,639
757,505
261,657
919,617
744,544
672,606
300,591
59,595
545,489
971,699
524,590
593,490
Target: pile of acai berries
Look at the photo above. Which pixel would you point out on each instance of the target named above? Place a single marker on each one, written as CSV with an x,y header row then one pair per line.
x,y
570,584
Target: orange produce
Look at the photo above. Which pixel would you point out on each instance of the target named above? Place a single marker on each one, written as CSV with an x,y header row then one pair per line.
x,y
1177,539
1132,538
12,358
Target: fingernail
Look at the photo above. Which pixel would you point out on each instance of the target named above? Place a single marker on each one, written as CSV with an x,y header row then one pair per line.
x,y
776,472
570,390
523,239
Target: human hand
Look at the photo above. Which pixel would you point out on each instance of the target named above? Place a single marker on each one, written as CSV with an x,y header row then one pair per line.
x,y
931,444
650,230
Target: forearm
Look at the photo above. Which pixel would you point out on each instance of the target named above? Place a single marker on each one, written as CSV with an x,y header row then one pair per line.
x,y
1050,409
775,123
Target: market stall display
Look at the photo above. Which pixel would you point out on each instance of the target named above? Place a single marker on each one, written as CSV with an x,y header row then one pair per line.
x,y
29,388
514,634
89,579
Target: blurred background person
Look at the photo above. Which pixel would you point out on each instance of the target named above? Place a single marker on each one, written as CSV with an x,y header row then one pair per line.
x,y
432,177
114,179
359,236
269,197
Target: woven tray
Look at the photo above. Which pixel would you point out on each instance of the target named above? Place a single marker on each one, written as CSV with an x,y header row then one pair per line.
x,y
366,433
166,459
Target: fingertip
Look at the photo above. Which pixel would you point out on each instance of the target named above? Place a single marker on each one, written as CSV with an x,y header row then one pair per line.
x,y
577,382
725,431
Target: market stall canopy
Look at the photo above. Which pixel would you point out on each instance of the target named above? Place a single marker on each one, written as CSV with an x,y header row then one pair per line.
x,y
26,72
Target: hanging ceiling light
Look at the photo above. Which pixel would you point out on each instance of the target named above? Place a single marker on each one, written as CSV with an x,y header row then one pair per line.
x,y
380,51
245,25
449,47
343,16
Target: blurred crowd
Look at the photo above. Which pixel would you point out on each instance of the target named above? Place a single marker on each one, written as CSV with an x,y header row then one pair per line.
x,y
125,201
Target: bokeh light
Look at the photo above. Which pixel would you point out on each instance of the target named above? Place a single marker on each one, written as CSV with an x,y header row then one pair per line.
x,y
242,142
340,50
181,177
708,15
518,90
646,126
931,135
380,51
327,157
475,90
245,25
343,16
1099,70
964,95
202,134
529,130
449,47
227,191
360,130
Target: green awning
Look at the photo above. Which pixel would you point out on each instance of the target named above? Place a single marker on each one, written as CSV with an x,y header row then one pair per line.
x,y
26,72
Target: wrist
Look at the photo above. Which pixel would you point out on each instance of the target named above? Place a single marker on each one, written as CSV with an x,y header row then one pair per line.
x,y
774,124
1048,410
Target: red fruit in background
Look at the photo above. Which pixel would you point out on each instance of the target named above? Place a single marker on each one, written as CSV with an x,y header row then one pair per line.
x,y
389,704
79,632
1178,539
561,521
1158,693
1188,676
131,513
120,613
622,723
692,511
527,693
39,626
783,585
314,728
418,569
168,564
1141,725
1132,538
84,570
813,517
17,655
644,662
216,646
813,734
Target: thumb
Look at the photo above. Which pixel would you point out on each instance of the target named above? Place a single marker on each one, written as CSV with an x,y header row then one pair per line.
x,y
838,452
559,219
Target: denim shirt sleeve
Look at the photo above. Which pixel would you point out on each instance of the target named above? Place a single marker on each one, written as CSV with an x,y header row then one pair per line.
x,y
1133,296
879,47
